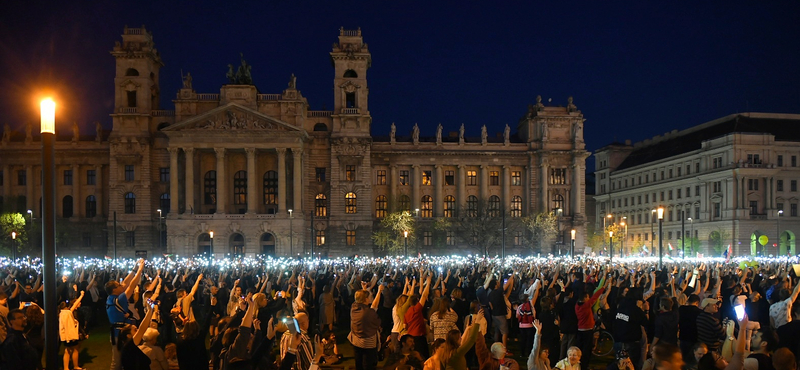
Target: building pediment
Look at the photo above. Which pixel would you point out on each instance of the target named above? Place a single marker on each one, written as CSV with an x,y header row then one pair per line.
x,y
233,117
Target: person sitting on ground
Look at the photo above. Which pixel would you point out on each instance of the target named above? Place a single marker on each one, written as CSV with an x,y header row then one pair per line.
x,y
573,360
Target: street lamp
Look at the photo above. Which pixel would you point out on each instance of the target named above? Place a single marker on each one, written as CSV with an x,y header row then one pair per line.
x,y
405,249
211,234
48,131
691,235
652,232
625,235
611,249
572,245
608,216
13,245
30,227
291,240
159,229
660,237
780,214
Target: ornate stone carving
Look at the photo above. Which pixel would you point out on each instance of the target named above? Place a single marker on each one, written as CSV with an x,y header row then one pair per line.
x,y
391,133
506,135
415,134
439,134
484,135
232,120
350,146
7,133
76,132
187,81
461,134
99,132
350,87
570,106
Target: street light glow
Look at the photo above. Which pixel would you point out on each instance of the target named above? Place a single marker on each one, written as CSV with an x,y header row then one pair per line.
x,y
660,213
211,233
48,116
13,235
572,232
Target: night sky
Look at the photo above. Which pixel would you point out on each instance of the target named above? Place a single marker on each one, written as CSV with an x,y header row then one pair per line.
x,y
635,71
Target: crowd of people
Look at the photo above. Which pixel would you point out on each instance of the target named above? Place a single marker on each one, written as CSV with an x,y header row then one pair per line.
x,y
431,313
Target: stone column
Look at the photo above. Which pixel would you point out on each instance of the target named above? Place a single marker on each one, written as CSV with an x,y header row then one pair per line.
x,y
98,193
76,191
393,188
173,180
297,180
484,181
543,181
252,204
506,188
29,189
281,179
577,169
190,183
704,200
461,191
416,179
438,192
222,180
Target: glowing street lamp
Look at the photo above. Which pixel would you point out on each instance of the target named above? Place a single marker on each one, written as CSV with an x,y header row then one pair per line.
x,y
611,249
211,236
291,240
159,229
14,245
48,131
660,237
608,217
405,249
572,245
780,214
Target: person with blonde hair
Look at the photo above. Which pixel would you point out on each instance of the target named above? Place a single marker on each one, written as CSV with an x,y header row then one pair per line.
x,y
572,361
365,326
157,359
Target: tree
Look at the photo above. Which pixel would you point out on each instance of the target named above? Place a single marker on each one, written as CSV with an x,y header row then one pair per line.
x,y
390,235
595,240
479,227
13,222
692,246
718,238
543,227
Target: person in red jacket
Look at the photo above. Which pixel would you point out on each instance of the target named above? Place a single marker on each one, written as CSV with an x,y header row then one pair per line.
x,y
583,309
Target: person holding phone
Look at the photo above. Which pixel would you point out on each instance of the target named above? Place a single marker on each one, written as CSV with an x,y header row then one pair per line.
x,y
365,326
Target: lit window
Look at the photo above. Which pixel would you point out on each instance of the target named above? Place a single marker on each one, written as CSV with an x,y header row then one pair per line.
x,y
240,187
449,206
271,188
320,237
558,202
350,203
426,177
381,177
494,206
516,206
321,206
516,178
380,206
350,173
494,178
404,177
472,178
426,208
351,237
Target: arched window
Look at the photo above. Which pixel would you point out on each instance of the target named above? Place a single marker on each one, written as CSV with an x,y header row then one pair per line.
x,y
350,203
494,206
516,206
237,244
404,203
449,206
163,203
204,244
320,127
321,206
380,206
131,72
558,202
91,206
130,203
472,206
210,187
426,208
240,187
268,244
350,74
66,206
271,187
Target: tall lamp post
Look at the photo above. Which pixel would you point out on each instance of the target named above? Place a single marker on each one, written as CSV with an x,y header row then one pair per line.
x,y
572,244
14,245
683,231
211,234
611,249
624,235
660,237
608,217
405,247
780,214
691,235
48,131
291,237
30,230
652,232
159,230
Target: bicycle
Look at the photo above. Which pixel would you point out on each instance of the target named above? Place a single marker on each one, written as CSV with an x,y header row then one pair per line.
x,y
603,342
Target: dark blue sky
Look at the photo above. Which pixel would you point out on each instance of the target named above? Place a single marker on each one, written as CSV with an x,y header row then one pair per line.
x,y
635,70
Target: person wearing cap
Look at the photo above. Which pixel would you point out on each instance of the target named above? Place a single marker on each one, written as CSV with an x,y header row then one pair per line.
x,y
709,328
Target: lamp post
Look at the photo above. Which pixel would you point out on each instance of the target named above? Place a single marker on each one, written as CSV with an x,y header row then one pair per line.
x,y
405,247
291,237
683,231
159,230
624,235
611,249
417,219
691,235
608,217
211,234
652,232
29,230
780,214
660,237
572,244
48,131
14,245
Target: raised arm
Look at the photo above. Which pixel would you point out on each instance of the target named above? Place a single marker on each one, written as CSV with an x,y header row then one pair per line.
x,y
76,303
137,338
196,284
424,297
377,299
131,287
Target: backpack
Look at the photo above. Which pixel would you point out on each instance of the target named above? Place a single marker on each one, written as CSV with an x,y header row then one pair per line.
x,y
524,313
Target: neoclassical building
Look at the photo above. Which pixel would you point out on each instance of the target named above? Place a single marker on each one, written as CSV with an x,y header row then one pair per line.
x,y
243,172
730,181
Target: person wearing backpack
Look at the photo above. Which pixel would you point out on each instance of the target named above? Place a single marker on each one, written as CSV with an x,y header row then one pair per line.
x,y
117,309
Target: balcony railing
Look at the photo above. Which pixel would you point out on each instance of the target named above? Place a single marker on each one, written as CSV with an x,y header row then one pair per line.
x,y
163,113
756,216
349,110
207,96
268,97
127,110
319,113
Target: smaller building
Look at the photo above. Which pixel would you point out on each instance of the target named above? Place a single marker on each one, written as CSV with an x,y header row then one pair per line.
x,y
723,184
